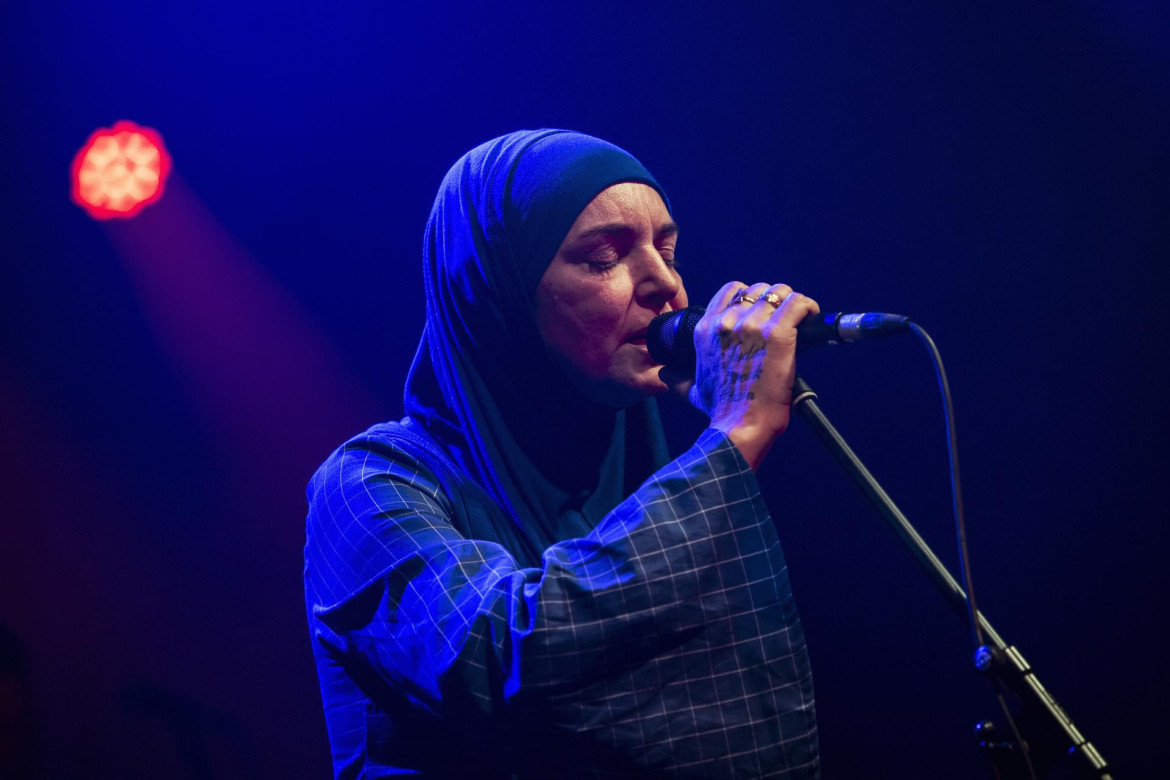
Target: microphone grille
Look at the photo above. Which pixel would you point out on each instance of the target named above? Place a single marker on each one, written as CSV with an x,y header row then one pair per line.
x,y
671,337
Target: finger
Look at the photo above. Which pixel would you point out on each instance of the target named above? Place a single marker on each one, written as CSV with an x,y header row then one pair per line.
x,y
795,308
678,380
725,296
746,296
776,294
742,321
755,292
767,304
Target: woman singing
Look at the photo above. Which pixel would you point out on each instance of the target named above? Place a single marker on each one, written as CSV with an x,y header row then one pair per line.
x,y
516,579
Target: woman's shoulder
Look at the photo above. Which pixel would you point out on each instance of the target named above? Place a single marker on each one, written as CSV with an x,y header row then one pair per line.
x,y
399,451
406,436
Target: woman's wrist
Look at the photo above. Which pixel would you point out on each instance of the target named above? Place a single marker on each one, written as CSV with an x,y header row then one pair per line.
x,y
752,440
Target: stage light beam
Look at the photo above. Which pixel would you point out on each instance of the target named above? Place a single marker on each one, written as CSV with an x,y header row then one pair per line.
x,y
119,171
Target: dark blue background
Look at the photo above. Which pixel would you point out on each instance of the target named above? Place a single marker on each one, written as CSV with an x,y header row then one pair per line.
x,y
167,385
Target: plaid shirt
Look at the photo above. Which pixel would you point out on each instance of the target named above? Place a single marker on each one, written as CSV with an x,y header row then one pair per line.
x,y
665,642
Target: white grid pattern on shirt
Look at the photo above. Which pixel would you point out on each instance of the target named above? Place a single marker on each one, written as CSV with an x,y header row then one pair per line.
x,y
666,640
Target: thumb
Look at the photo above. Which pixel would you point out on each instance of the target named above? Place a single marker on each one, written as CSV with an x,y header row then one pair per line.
x,y
680,381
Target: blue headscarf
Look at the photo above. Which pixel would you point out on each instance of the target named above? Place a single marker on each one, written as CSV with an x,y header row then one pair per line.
x,y
552,462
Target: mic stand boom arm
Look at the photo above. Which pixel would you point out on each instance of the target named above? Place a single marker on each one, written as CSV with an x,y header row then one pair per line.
x,y
999,660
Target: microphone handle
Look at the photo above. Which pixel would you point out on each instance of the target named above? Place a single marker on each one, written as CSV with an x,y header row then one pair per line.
x,y
671,336
818,329
837,328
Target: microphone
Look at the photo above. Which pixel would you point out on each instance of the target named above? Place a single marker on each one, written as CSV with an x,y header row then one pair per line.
x,y
671,335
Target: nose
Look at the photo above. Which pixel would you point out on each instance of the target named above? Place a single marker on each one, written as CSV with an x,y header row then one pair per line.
x,y
656,283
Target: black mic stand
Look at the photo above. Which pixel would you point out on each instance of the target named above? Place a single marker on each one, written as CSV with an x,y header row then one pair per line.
x,y
1055,746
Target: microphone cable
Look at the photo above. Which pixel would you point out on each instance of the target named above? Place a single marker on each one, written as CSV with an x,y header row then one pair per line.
x,y
961,527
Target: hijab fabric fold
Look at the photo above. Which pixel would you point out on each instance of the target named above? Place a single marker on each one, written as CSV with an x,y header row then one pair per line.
x,y
482,383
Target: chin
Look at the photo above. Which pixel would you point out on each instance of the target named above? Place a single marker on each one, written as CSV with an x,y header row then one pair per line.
x,y
644,387
623,395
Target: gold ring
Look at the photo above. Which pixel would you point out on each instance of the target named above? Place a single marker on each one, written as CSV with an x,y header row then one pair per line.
x,y
774,299
742,296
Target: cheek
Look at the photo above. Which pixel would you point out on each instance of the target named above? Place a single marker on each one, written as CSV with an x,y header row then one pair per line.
x,y
584,325
596,324
599,314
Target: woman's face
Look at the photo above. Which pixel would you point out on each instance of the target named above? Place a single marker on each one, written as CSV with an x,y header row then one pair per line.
x,y
613,273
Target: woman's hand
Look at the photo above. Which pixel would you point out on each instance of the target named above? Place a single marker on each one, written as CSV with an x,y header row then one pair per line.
x,y
745,347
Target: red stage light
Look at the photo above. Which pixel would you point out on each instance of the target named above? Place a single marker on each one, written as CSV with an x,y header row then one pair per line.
x,y
120,170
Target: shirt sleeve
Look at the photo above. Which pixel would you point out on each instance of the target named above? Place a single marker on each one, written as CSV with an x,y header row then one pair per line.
x,y
663,625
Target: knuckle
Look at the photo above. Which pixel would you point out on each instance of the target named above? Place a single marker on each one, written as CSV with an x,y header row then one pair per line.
x,y
751,329
781,337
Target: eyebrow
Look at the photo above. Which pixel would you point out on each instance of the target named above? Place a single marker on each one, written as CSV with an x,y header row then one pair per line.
x,y
617,228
